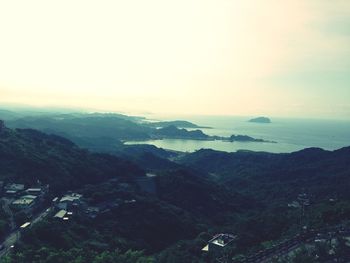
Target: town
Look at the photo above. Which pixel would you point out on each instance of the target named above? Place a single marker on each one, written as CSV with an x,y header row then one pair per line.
x,y
26,205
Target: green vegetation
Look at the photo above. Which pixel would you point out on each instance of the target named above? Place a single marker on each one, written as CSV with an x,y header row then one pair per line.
x,y
29,155
196,197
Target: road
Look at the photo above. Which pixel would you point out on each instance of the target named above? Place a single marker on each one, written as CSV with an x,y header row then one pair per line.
x,y
14,236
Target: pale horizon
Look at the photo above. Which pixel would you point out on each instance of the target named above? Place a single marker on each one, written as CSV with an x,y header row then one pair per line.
x,y
238,58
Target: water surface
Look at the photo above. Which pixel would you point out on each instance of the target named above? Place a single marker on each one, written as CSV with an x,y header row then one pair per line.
x,y
290,134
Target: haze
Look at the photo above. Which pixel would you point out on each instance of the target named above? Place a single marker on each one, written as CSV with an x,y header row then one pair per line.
x,y
248,57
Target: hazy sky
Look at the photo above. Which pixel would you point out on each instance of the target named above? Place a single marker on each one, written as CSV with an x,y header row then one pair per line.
x,y
237,57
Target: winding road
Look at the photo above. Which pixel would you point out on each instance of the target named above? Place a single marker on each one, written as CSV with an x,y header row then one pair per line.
x,y
15,235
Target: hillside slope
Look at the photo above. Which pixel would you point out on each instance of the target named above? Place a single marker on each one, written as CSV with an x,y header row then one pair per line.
x,y
322,173
29,155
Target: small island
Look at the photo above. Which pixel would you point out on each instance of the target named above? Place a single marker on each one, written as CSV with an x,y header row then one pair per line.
x,y
260,120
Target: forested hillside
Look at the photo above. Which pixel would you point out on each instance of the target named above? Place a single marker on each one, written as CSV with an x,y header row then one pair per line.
x,y
197,196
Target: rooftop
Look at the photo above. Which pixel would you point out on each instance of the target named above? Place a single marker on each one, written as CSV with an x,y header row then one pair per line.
x,y
71,197
206,248
34,190
61,214
24,200
16,187
11,192
222,239
29,196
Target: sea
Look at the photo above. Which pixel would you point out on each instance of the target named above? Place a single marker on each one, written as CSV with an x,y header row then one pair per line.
x,y
290,134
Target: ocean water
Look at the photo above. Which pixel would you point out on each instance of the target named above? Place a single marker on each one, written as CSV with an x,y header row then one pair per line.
x,y
290,134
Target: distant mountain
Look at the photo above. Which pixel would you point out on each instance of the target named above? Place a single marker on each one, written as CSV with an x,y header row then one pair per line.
x,y
260,120
107,132
8,115
97,132
178,124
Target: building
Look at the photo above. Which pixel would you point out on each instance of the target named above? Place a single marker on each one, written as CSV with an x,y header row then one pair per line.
x,y
13,189
60,214
34,191
69,201
217,244
24,202
10,193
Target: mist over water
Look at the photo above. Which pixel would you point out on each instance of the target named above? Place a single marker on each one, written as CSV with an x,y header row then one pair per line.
x,y
290,134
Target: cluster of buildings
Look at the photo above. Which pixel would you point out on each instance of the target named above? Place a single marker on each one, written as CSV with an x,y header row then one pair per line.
x,y
67,205
72,203
23,198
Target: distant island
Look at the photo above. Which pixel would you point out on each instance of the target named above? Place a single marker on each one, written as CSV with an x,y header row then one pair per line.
x,y
260,120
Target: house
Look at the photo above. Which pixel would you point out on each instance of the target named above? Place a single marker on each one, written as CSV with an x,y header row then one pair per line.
x,y
13,189
11,193
218,243
34,191
24,202
60,214
69,201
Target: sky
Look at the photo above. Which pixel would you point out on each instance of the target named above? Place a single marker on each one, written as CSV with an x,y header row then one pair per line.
x,y
208,57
